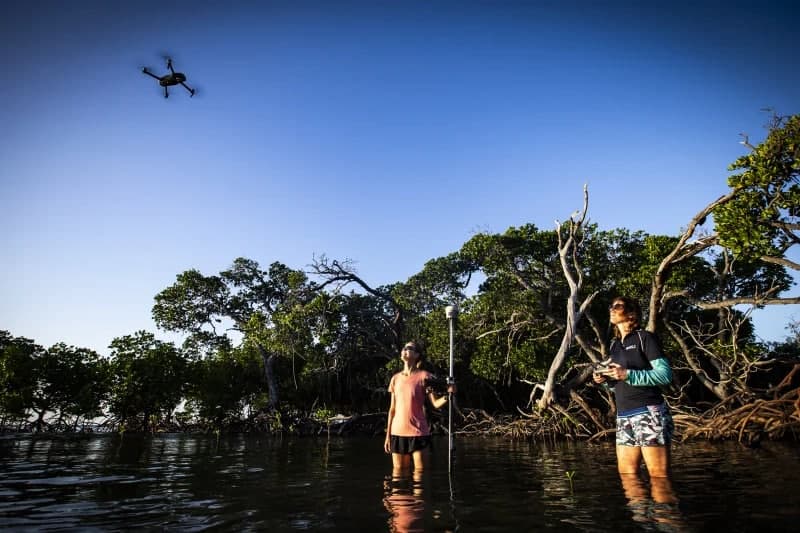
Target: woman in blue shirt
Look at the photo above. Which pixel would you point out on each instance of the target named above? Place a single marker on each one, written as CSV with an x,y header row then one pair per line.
x,y
638,368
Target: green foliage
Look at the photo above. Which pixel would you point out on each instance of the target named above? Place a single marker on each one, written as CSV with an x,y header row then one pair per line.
x,y
441,281
148,377
745,277
18,381
762,218
632,260
192,303
728,353
519,309
221,385
266,306
322,414
71,381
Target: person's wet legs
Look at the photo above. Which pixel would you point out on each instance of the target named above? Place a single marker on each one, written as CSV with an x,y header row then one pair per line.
x,y
661,490
629,458
656,458
401,462
420,460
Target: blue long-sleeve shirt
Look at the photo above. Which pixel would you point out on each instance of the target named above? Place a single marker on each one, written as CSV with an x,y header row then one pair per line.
x,y
641,354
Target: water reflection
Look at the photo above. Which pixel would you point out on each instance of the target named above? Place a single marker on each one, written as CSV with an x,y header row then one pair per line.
x,y
658,506
404,499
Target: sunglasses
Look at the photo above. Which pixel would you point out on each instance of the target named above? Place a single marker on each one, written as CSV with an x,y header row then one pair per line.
x,y
409,349
616,307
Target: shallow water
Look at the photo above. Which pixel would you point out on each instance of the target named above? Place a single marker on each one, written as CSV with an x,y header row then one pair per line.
x,y
256,483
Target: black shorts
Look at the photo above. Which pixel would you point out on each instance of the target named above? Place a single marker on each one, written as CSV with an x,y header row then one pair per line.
x,y
406,445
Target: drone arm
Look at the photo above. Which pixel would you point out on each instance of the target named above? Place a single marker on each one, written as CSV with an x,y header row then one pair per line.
x,y
145,71
191,91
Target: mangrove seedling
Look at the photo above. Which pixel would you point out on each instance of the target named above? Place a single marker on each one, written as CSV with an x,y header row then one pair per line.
x,y
570,474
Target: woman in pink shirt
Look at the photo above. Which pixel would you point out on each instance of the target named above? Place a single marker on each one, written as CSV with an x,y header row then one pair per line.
x,y
408,433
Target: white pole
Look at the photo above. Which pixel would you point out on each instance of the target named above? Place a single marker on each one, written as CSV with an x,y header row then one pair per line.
x,y
451,311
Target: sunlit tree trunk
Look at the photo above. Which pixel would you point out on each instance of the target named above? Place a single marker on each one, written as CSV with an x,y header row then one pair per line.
x,y
569,239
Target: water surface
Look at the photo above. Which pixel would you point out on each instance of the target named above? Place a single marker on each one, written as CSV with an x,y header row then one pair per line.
x,y
258,483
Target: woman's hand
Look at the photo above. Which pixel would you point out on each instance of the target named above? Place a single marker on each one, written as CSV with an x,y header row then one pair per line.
x,y
598,377
616,372
387,447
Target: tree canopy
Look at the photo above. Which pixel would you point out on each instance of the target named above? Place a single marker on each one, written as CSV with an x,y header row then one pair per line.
x,y
269,342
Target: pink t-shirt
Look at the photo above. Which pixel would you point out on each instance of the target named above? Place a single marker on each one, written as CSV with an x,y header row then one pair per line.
x,y
409,401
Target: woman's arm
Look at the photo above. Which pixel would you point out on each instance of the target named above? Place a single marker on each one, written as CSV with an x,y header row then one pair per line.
x,y
437,402
661,374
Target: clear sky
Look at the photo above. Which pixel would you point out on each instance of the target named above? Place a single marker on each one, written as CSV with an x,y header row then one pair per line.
x,y
384,132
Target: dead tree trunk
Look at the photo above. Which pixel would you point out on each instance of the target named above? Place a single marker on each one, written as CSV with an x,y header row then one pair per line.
x,y
569,240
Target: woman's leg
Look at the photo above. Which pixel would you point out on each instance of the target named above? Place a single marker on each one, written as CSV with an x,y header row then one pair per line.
x,y
400,462
628,459
420,459
659,428
637,495
634,487
656,458
645,436
662,491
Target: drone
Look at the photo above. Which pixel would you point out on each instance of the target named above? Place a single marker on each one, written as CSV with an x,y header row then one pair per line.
x,y
173,78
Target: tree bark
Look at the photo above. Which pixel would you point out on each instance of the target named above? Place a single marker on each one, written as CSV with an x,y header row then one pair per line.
x,y
683,250
575,310
269,376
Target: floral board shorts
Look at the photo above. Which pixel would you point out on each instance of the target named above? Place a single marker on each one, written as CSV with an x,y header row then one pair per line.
x,y
647,426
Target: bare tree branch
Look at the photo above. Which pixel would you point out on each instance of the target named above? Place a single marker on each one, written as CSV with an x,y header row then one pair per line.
x,y
758,301
780,261
682,251
573,273
341,274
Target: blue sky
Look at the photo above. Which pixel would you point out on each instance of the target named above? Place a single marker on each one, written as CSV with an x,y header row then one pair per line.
x,y
384,132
